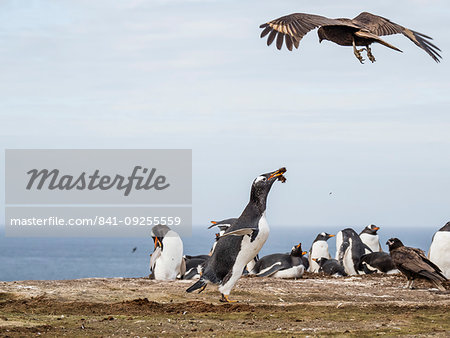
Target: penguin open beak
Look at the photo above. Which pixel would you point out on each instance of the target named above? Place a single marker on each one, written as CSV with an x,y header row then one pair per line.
x,y
279,173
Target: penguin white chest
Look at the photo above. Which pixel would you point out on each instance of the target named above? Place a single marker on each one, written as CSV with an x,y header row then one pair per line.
x,y
372,241
250,248
440,251
319,249
167,266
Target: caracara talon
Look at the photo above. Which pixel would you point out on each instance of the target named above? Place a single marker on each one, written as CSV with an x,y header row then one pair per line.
x,y
370,55
225,299
357,52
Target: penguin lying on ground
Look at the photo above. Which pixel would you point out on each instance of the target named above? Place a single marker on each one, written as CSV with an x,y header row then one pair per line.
x,y
194,266
241,241
330,267
281,265
319,248
349,249
439,252
413,264
377,262
370,238
167,260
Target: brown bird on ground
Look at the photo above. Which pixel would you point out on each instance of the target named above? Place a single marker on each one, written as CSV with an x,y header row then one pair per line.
x,y
413,264
363,30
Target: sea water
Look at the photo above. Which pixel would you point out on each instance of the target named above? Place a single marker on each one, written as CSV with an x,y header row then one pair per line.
x,y
70,258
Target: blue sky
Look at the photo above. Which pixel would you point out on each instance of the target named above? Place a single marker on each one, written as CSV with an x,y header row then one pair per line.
x,y
195,74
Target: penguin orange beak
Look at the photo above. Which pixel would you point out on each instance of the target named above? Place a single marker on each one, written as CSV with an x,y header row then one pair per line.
x,y
332,235
304,252
277,173
157,242
213,222
376,228
314,259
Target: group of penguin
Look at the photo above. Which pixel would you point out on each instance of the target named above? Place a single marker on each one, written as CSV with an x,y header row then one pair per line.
x,y
235,251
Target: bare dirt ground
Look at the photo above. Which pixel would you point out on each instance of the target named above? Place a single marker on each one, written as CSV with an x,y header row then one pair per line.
x,y
312,306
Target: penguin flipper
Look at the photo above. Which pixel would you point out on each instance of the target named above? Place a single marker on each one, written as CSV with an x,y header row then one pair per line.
x,y
239,232
271,271
155,255
366,247
201,283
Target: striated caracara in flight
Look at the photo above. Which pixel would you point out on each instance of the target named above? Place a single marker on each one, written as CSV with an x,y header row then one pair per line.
x,y
363,30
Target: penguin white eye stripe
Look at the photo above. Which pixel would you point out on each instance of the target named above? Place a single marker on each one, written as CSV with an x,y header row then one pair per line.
x,y
260,178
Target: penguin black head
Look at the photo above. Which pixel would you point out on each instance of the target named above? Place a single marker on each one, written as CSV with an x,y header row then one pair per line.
x,y
394,243
446,227
370,229
223,224
323,236
262,184
158,233
297,251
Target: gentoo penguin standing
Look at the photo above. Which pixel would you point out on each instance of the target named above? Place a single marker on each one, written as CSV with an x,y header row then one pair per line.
x,y
439,252
370,238
242,241
330,267
167,260
281,265
413,264
319,248
379,262
349,249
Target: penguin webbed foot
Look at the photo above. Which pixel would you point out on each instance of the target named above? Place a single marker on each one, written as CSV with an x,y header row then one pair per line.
x,y
225,299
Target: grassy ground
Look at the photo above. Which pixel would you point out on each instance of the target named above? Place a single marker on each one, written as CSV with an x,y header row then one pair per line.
x,y
353,306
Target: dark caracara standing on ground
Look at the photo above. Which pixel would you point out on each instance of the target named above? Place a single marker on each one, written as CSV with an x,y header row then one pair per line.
x,y
363,30
413,264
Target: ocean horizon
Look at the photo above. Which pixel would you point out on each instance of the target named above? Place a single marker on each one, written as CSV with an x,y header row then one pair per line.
x,y
73,258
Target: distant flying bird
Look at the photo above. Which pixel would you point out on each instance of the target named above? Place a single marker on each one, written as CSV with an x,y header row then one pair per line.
x,y
363,30
134,249
413,264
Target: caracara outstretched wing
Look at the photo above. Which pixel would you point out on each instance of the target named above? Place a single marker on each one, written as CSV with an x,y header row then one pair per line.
x,y
291,28
382,26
